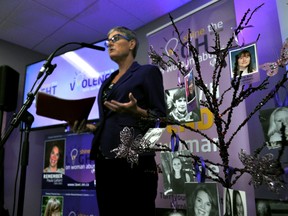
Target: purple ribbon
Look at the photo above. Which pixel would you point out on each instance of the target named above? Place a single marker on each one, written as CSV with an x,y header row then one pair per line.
x,y
157,124
179,78
200,175
230,172
174,203
286,174
278,101
174,138
242,35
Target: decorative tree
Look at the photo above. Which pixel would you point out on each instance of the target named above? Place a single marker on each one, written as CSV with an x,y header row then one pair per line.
x,y
263,169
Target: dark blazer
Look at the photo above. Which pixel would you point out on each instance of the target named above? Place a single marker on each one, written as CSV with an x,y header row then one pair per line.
x,y
145,82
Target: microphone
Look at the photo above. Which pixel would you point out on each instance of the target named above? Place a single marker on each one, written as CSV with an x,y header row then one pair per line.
x,y
48,62
92,46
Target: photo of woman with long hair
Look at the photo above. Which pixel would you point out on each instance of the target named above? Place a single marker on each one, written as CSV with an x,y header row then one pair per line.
x,y
202,199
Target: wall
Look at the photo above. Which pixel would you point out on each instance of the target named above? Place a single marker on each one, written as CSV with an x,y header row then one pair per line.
x,y
17,57
282,6
266,23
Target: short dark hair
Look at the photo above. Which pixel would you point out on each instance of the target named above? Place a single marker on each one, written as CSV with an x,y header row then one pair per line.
x,y
180,93
131,35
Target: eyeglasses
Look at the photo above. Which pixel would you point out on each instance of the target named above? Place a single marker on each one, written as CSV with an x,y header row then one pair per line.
x,y
115,38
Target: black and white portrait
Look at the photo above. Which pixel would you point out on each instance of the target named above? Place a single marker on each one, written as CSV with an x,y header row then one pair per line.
x,y
239,203
202,199
177,106
177,171
227,202
191,91
275,125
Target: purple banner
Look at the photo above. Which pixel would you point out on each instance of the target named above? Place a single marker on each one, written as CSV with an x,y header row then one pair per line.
x,y
220,16
75,169
70,203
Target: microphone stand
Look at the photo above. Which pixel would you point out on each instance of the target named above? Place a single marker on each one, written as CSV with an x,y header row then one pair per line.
x,y
28,120
24,116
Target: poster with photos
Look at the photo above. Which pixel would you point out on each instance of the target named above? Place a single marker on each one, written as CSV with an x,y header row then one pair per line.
x,y
177,170
191,91
272,121
177,106
202,198
244,60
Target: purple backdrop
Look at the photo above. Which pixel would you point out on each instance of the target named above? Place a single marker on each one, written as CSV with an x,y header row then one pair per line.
x,y
222,16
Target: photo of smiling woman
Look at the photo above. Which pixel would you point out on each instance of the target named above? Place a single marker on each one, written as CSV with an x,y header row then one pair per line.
x,y
54,156
202,199
244,61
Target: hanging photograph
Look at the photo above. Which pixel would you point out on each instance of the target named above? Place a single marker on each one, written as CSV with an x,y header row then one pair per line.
x,y
227,202
202,199
191,90
244,61
177,106
239,203
271,207
152,136
177,170
272,120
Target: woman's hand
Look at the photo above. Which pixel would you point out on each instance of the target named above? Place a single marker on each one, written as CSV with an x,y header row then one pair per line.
x,y
81,127
129,107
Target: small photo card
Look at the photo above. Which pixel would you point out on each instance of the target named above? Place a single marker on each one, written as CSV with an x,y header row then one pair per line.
x,y
271,207
272,120
177,106
227,201
177,170
152,136
54,160
202,198
239,202
244,61
191,91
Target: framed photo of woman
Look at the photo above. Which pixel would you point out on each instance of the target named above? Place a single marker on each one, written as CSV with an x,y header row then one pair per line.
x,y
177,106
202,199
244,63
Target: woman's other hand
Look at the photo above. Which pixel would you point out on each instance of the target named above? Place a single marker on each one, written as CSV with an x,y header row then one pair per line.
x,y
81,127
